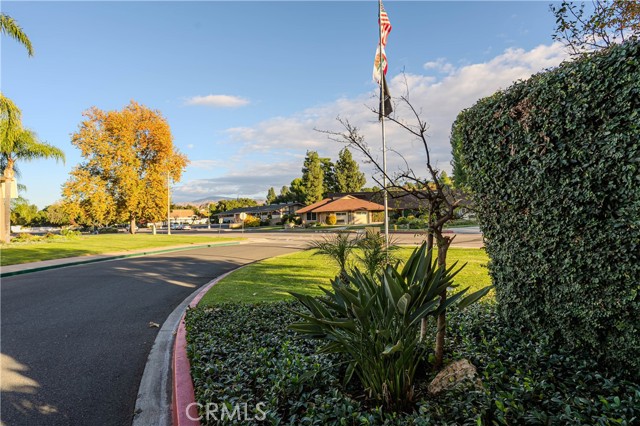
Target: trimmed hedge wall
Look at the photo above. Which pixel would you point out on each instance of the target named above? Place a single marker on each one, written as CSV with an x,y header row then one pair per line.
x,y
554,162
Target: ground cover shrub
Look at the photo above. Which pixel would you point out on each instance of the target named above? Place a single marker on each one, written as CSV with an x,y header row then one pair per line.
x,y
245,353
554,162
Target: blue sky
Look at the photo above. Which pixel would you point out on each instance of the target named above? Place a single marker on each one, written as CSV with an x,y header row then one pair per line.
x,y
244,84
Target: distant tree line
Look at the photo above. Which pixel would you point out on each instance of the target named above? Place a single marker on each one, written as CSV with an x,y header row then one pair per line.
x,y
320,176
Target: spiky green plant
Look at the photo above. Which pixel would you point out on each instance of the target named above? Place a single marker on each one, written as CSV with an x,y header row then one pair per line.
x,y
374,323
374,253
339,247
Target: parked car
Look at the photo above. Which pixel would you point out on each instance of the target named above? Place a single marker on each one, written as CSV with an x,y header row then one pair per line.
x,y
186,227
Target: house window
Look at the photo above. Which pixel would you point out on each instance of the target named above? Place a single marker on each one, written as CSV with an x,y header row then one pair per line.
x,y
312,216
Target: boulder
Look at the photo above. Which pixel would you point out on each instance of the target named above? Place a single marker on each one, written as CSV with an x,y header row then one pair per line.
x,y
453,375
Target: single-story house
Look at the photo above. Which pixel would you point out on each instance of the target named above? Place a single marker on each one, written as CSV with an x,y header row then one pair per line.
x,y
183,216
270,212
349,210
406,203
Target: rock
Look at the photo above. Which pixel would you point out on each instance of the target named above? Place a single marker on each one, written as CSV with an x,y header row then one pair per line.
x,y
453,375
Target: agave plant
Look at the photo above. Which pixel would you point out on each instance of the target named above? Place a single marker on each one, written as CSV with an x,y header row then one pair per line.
x,y
374,323
338,247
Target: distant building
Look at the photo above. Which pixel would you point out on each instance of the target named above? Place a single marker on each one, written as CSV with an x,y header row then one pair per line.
x,y
349,210
183,216
271,212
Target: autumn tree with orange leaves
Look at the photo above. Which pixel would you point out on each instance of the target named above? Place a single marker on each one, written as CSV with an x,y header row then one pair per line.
x,y
129,156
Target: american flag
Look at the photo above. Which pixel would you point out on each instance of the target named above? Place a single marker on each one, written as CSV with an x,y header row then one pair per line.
x,y
385,25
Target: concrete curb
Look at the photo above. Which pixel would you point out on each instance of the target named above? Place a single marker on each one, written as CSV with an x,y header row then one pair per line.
x,y
185,410
156,392
115,257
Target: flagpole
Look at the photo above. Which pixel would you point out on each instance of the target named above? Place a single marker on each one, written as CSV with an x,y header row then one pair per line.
x,y
384,142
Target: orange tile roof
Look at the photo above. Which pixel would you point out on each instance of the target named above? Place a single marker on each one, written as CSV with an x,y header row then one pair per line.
x,y
344,204
182,213
310,207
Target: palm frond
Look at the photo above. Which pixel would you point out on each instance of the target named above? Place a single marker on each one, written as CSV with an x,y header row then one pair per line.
x,y
10,27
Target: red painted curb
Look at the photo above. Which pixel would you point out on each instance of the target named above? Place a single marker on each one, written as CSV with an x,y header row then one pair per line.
x,y
185,409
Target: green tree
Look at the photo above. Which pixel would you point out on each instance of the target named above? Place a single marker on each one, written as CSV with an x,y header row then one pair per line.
x,y
329,177
128,156
284,196
610,22
312,178
23,213
226,205
297,193
56,214
271,196
348,177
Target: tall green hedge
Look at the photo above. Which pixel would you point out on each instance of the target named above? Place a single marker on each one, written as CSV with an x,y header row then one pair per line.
x,y
555,165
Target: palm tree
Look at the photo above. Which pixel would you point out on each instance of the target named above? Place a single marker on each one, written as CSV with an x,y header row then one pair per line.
x,y
339,247
11,28
21,144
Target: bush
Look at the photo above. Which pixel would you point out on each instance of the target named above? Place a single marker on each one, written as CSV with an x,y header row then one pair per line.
x,y
332,219
70,233
24,237
251,222
108,230
554,163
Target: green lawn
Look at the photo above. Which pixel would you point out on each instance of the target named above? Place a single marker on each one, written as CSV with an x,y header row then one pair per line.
x,y
12,254
270,280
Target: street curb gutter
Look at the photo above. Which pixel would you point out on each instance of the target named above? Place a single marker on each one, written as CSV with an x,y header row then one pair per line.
x,y
156,392
185,410
118,257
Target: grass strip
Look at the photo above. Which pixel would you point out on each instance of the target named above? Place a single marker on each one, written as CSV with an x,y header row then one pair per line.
x,y
18,253
272,279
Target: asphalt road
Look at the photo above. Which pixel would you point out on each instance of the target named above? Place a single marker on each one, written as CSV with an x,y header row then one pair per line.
x,y
75,340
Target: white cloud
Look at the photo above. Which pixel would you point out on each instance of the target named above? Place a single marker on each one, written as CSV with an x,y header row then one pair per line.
x,y
218,101
190,146
440,65
207,164
238,183
437,99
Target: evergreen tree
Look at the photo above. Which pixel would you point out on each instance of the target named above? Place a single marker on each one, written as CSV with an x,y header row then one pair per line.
x,y
297,192
348,177
329,180
312,178
271,196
